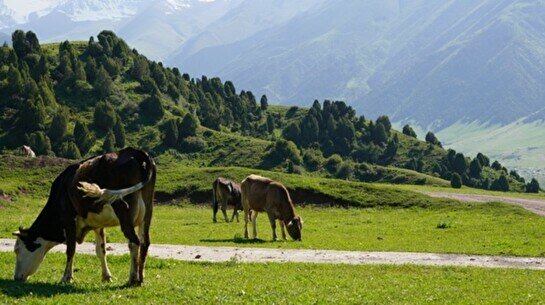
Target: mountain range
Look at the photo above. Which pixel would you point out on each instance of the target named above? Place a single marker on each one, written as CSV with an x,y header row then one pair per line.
x,y
438,65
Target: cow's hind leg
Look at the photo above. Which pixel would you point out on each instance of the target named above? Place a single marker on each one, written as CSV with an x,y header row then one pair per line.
x,y
235,213
273,225
100,249
123,214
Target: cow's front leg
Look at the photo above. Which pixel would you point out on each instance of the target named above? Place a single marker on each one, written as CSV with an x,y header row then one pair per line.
x,y
224,211
272,220
100,249
247,216
70,232
282,228
254,223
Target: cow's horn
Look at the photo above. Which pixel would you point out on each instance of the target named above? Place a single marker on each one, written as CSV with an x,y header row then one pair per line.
x,y
290,223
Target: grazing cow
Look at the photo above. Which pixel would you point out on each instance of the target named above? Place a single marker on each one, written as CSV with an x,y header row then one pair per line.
x,y
27,152
261,194
114,189
226,193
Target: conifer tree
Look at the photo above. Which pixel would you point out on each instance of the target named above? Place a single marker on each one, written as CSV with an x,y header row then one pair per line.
x,y
103,84
264,103
109,142
58,128
83,138
119,133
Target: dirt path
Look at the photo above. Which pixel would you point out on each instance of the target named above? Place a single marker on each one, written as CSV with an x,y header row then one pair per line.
x,y
225,254
534,205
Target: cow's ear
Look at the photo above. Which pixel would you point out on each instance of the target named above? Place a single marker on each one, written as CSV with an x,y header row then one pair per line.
x,y
16,233
230,187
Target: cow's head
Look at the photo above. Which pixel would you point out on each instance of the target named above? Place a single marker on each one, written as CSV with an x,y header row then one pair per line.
x,y
295,226
30,252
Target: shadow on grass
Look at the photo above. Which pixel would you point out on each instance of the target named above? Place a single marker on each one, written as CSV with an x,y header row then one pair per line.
x,y
236,240
18,289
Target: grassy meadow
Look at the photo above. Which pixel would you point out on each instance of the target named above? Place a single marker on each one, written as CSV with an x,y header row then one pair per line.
x,y
173,282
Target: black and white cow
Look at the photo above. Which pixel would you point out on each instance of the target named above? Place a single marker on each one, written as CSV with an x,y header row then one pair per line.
x,y
114,189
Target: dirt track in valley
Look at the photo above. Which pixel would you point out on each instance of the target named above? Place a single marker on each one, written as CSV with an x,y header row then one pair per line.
x,y
261,255
534,205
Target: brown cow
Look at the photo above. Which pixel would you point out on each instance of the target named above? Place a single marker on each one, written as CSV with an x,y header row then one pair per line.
x,y
261,194
114,189
226,193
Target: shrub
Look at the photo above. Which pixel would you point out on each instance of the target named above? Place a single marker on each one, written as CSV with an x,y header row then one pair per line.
x,y
332,164
346,171
69,150
500,184
456,181
313,159
192,145
40,143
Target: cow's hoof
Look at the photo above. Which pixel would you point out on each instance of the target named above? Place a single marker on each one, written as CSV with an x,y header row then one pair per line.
x,y
134,283
67,281
213,220
107,279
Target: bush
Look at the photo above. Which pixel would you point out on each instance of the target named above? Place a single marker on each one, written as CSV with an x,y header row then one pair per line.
x,y
192,145
346,171
456,181
104,117
333,163
188,126
313,160
40,143
109,143
152,108
282,151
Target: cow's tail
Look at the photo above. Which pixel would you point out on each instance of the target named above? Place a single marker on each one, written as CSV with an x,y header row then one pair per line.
x,y
107,196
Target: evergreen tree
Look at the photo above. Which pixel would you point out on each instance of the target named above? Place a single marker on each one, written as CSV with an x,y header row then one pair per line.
x,y
380,135
460,164
59,127
69,150
40,143
32,116
500,184
264,102
385,121
292,132
104,117
170,133
152,107
497,166
103,84
432,139
270,124
456,181
532,186
407,130
119,133
83,138
484,160
15,81
109,142
475,169
188,126
391,149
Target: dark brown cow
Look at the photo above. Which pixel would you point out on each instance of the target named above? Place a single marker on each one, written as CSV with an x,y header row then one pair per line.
x,y
114,189
260,194
226,193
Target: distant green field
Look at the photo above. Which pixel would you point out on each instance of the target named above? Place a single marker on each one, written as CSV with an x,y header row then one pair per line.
x,y
174,282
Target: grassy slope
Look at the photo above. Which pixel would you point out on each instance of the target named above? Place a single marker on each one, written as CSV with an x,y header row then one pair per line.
x,y
172,282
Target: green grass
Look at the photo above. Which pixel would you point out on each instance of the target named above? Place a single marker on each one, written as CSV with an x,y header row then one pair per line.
x,y
468,190
173,282
493,229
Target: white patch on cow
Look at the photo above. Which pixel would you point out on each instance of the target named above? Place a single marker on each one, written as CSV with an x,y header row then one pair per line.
x,y
27,262
106,218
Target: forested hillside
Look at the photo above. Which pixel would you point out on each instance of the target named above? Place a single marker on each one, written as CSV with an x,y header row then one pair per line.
x,y
77,99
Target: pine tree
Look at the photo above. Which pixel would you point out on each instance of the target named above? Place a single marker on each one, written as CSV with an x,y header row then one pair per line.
x,y
500,184
407,130
83,138
32,116
460,164
456,181
59,127
152,107
119,133
532,186
109,142
264,102
385,121
475,169
103,84
170,133
270,124
40,143
188,126
432,139
104,117
379,134
15,81
292,132
69,150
